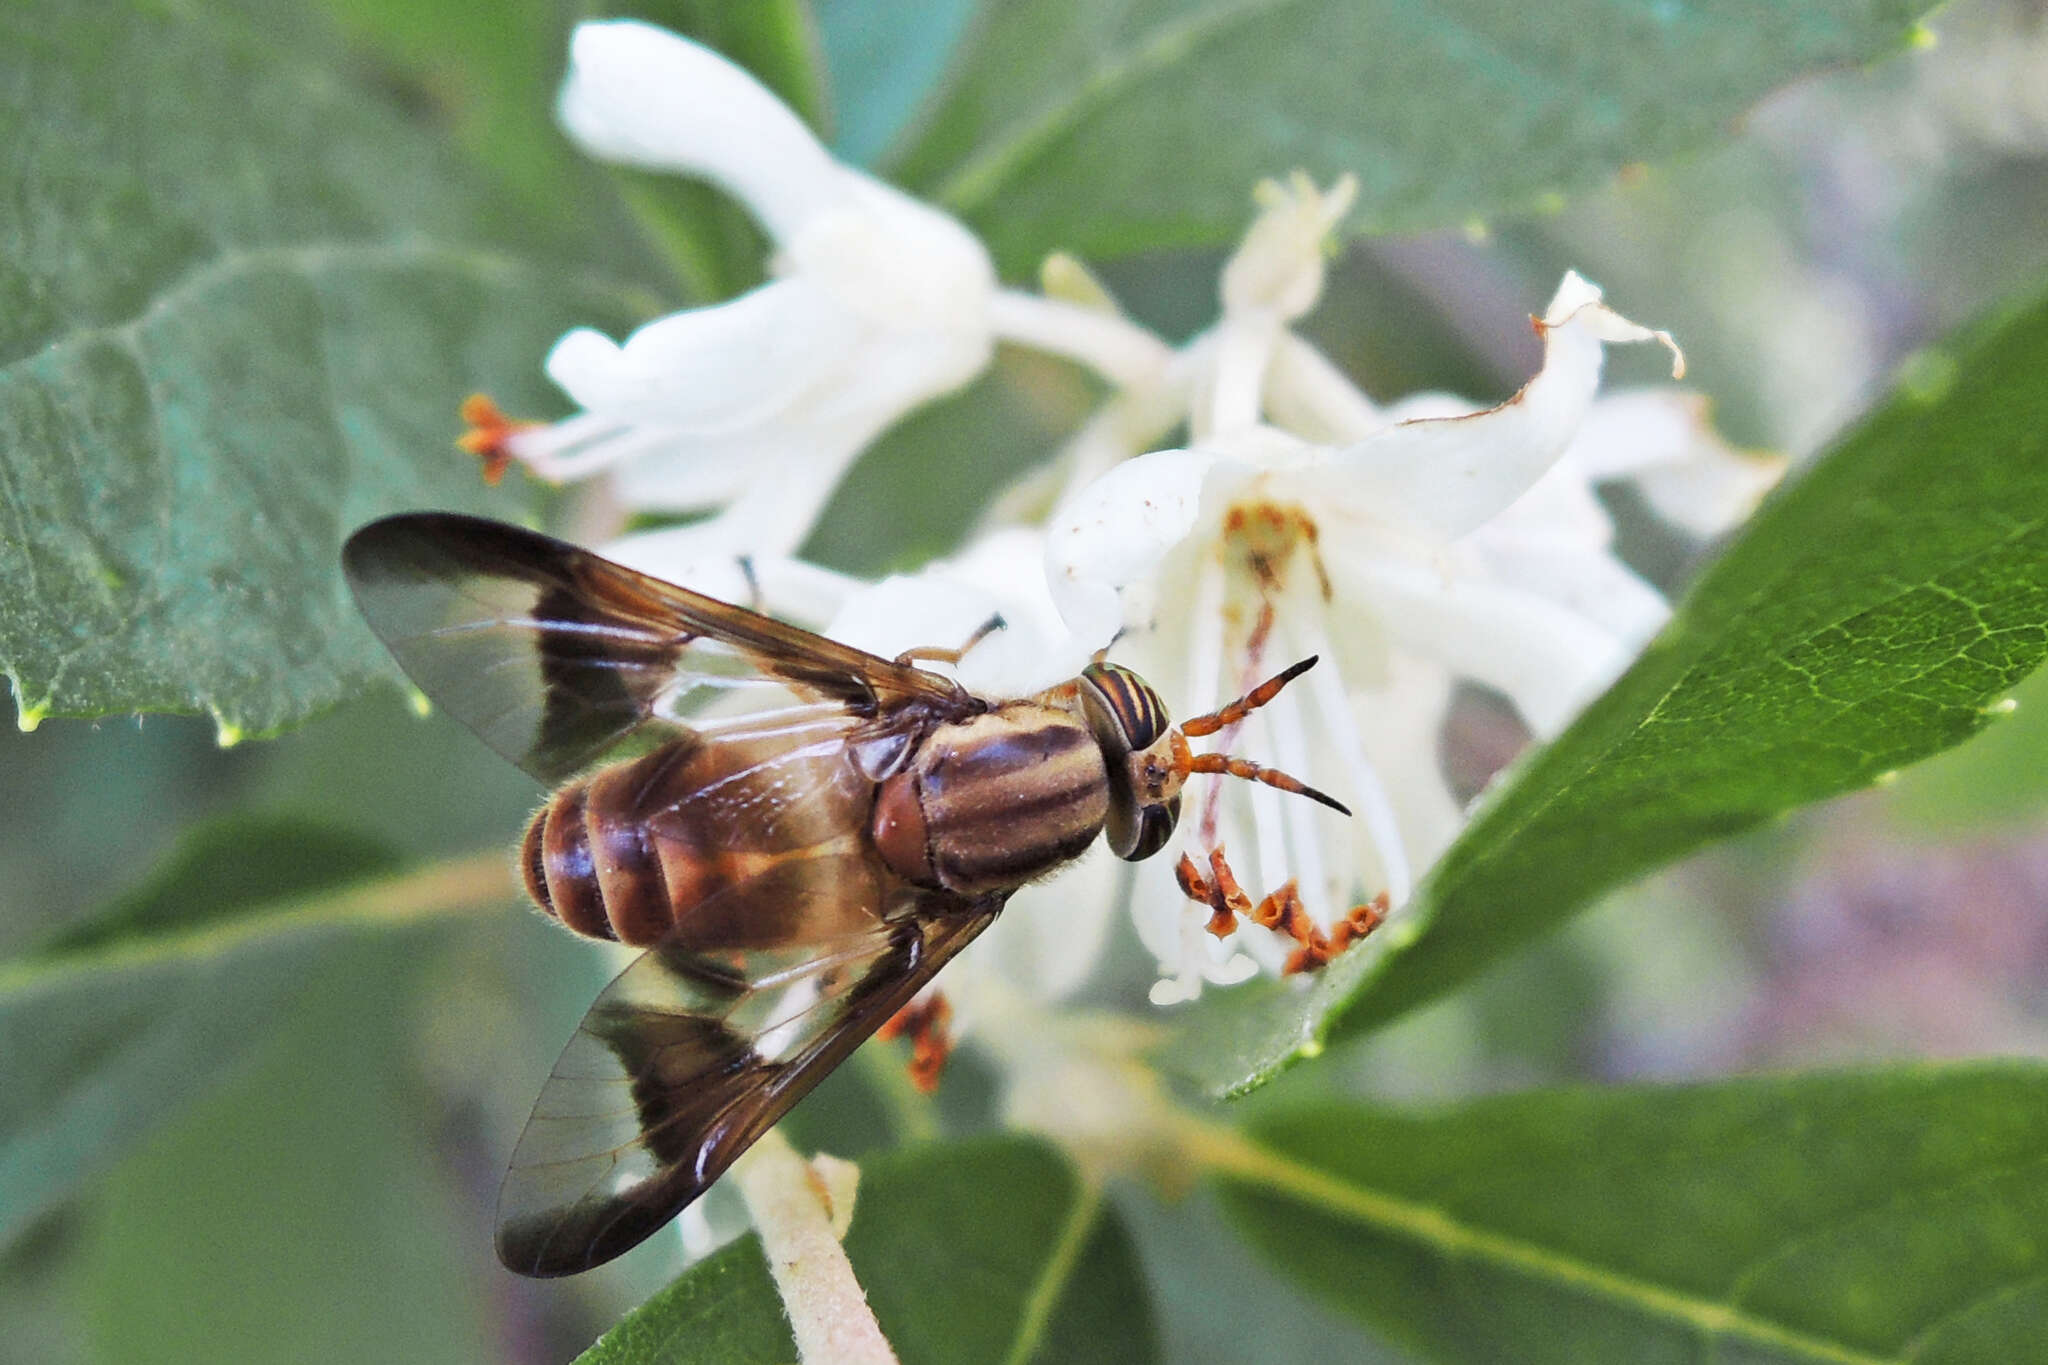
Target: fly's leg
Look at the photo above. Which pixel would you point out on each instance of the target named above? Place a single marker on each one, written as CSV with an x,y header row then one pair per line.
x,y
935,655
926,1023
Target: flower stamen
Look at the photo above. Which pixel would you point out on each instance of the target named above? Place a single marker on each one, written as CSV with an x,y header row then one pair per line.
x,y
1282,912
1375,807
488,434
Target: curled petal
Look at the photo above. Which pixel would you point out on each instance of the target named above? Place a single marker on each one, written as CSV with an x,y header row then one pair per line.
x,y
1450,475
1577,302
710,370
644,96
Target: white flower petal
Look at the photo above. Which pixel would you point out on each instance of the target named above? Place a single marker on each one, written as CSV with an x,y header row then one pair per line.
x,y
1549,660
1450,475
898,263
1401,723
1587,581
773,481
944,606
785,467
1663,441
1116,532
711,370
1561,509
1051,933
1310,396
697,558
642,95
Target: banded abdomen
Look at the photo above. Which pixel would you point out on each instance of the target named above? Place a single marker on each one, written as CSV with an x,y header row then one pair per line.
x,y
626,852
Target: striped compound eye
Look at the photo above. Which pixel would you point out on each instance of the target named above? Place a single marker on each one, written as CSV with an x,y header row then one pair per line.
x,y
1127,717
1125,702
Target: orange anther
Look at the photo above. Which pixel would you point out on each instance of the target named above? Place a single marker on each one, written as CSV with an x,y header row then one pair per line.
x,y
1362,920
1222,919
1226,893
488,433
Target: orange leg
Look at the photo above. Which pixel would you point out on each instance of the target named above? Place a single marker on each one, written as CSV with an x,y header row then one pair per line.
x,y
1282,912
925,1023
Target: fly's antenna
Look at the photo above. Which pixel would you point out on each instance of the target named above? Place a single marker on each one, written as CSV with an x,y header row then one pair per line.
x,y
1186,762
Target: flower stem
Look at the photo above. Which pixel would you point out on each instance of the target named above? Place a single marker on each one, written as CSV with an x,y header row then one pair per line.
x,y
828,1311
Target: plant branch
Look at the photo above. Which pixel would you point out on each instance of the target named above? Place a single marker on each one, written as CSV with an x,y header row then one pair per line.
x,y
828,1311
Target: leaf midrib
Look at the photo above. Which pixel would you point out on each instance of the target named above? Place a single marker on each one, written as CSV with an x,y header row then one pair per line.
x,y
310,259
441,889
1234,1156
971,183
1054,1276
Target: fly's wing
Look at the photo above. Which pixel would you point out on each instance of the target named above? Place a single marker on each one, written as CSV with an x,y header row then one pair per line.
x,y
555,656
699,1046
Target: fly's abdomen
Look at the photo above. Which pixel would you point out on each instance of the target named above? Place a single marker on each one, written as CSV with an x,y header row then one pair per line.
x,y
627,852
597,873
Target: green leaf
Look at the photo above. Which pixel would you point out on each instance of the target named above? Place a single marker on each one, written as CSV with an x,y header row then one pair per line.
x,y
2000,777
1109,129
307,1211
1847,1218
883,57
241,295
1870,615
486,76
120,1020
218,874
985,1251
723,1311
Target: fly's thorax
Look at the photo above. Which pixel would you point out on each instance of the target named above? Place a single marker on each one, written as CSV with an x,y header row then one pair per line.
x,y
991,803
1133,730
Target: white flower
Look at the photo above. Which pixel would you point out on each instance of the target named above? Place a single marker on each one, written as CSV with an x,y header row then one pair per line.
x,y
1440,543
878,303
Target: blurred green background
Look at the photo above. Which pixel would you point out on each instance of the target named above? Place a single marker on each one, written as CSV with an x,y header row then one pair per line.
x,y
333,1200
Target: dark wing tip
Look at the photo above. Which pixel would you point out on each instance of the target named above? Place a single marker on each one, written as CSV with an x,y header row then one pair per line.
x,y
428,537
404,547
547,1247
